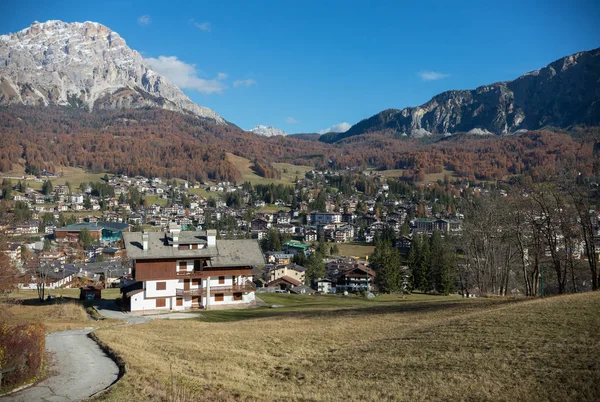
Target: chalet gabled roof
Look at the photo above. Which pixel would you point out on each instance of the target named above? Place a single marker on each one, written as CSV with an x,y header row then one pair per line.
x,y
226,253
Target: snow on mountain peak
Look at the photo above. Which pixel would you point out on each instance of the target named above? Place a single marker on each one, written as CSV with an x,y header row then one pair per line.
x,y
267,131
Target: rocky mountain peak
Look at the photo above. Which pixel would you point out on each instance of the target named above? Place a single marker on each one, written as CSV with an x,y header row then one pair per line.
x,y
267,131
84,64
563,94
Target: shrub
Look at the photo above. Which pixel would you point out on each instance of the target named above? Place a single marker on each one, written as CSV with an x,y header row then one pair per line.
x,y
21,353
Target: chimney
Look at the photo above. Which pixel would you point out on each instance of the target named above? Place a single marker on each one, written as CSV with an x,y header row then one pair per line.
x,y
174,229
144,240
211,238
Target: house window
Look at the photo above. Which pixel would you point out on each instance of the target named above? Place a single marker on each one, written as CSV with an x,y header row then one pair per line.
x,y
237,296
183,247
161,303
161,285
197,265
219,297
183,265
221,280
179,302
194,247
196,282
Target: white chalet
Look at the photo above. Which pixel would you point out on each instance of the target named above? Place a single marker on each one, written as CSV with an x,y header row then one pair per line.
x,y
178,270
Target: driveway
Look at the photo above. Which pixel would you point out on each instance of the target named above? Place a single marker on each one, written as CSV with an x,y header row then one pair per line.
x,y
78,369
109,309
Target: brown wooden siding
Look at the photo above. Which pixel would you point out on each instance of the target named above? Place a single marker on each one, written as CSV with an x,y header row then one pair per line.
x,y
146,270
154,269
219,297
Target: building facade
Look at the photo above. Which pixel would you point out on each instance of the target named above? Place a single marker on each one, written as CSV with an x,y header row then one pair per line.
x,y
182,270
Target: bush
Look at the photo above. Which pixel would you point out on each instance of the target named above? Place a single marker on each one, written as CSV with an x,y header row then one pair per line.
x,y
21,353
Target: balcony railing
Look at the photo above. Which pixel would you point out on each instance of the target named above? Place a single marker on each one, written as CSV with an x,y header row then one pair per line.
x,y
246,287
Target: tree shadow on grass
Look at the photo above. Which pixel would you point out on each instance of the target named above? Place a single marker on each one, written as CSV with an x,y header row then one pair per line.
x,y
305,312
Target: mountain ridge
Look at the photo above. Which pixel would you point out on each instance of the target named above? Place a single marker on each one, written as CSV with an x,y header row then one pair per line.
x,y
564,93
86,65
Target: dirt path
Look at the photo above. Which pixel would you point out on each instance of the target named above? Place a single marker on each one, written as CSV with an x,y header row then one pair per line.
x,y
78,369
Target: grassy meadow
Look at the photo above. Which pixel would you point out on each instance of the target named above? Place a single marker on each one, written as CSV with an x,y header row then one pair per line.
x,y
288,175
354,250
330,348
65,312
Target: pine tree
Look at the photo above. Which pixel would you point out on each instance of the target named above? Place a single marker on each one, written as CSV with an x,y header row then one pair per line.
x,y
386,261
315,267
47,187
413,264
436,261
424,257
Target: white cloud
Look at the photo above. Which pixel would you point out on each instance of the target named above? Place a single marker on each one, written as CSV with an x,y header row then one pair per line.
x,y
203,26
222,76
337,128
184,75
291,120
431,75
243,83
144,20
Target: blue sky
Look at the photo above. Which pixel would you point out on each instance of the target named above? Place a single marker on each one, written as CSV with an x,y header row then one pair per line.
x,y
305,66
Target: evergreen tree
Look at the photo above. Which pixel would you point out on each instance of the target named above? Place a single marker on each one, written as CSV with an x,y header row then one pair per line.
x,y
47,187
436,260
424,267
272,241
386,261
315,267
85,238
413,264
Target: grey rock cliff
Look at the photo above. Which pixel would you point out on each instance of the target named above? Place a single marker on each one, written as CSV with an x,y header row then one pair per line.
x,y
84,65
562,94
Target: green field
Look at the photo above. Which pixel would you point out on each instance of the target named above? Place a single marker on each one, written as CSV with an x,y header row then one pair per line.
x,y
330,348
155,199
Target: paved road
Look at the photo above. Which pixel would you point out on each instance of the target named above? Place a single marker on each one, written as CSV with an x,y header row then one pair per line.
x,y
109,310
78,369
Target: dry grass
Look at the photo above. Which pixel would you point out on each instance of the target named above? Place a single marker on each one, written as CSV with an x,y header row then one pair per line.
x,y
65,312
73,175
288,175
56,317
484,349
429,177
109,294
354,250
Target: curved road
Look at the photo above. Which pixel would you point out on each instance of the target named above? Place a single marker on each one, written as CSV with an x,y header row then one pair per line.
x,y
78,369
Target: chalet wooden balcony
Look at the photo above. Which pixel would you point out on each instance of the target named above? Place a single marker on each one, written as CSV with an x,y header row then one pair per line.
x,y
246,287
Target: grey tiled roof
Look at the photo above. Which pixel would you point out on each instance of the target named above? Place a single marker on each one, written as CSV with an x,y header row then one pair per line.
x,y
227,253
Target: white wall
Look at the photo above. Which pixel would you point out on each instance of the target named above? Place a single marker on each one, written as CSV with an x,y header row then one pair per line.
x,y
169,291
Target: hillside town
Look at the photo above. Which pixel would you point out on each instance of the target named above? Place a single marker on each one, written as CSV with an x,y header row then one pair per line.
x,y
74,235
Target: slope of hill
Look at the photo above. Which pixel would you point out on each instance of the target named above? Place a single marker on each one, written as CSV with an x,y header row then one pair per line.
x,y
562,94
85,65
421,348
